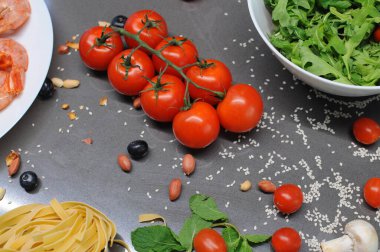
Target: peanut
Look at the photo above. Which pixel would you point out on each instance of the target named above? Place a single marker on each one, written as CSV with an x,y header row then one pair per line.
x,y
175,189
65,106
14,167
188,164
11,156
71,83
63,49
267,186
246,186
124,162
57,82
137,103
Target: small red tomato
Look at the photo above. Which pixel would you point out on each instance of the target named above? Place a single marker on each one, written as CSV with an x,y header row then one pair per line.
x,y
178,50
208,240
366,130
241,110
372,192
98,46
155,28
197,127
376,34
211,74
127,73
288,198
163,100
286,240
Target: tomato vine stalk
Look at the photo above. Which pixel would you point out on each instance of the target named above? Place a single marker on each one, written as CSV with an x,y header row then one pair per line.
x,y
180,70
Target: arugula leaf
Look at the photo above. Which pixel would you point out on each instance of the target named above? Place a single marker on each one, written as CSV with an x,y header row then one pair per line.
x,y
256,239
343,4
190,228
244,246
206,208
232,238
155,239
280,14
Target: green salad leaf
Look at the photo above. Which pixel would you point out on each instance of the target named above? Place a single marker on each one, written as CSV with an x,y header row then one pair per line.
x,y
206,208
329,38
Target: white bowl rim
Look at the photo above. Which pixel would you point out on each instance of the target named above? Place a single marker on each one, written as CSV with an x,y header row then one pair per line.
x,y
278,53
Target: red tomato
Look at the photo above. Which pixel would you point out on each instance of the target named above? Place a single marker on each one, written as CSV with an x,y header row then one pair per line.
x,y
372,192
208,240
376,34
197,127
366,130
156,28
286,240
180,51
241,109
165,99
98,46
288,198
211,74
128,77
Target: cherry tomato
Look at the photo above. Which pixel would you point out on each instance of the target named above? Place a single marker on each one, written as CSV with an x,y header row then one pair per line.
x,y
366,130
163,100
98,46
127,73
241,109
372,192
208,240
288,198
211,74
286,240
197,127
179,50
376,34
155,28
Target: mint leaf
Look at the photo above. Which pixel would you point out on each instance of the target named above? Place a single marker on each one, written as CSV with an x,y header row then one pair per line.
x,y
190,228
255,239
244,246
206,208
155,238
232,238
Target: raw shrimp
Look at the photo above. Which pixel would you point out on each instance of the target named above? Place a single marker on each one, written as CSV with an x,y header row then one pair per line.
x,y
13,65
13,14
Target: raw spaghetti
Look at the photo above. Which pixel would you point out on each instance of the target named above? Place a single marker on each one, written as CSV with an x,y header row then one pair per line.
x,y
60,227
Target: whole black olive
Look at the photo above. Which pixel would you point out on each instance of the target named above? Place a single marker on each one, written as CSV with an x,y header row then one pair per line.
x,y
138,149
119,21
29,181
47,89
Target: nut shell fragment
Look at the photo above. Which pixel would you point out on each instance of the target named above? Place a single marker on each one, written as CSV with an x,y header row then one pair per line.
x,y
72,45
104,24
11,156
88,141
72,116
103,101
14,167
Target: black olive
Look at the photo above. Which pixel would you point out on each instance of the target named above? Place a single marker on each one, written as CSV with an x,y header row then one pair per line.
x,y
29,181
119,21
47,89
138,149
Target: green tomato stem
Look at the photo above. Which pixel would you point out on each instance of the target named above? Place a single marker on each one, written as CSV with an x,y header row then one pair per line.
x,y
168,62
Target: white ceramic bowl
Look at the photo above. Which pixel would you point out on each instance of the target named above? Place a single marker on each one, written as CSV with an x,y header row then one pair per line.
x,y
264,25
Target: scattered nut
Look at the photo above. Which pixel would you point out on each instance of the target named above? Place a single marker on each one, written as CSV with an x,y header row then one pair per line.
x,y
103,101
71,83
246,186
124,162
57,82
11,156
72,116
188,164
63,49
104,24
175,189
88,141
137,103
2,193
72,45
267,186
14,167
65,106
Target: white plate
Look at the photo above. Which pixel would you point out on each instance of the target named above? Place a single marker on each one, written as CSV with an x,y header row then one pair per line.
x,y
37,37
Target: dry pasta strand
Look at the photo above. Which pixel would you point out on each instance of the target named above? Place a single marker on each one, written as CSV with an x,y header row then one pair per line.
x,y
58,227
